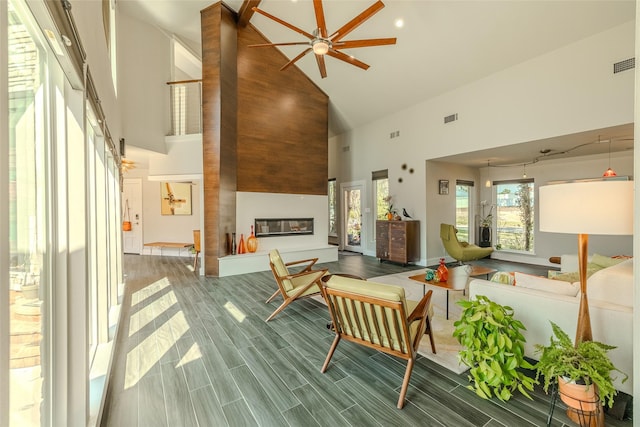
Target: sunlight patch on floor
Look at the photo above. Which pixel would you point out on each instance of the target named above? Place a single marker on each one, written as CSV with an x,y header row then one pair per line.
x,y
150,350
191,355
235,312
149,313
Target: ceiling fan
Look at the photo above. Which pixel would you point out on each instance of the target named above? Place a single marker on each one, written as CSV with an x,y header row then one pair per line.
x,y
321,43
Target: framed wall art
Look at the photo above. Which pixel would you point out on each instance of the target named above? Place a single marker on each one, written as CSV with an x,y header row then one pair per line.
x,y
443,186
175,198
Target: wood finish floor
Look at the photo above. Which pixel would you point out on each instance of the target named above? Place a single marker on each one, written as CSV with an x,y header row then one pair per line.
x,y
195,351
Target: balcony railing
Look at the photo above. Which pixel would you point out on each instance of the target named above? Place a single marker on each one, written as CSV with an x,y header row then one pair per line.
x,y
186,107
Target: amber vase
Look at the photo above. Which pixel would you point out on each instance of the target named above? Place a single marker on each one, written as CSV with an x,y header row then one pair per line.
x,y
252,242
241,248
443,271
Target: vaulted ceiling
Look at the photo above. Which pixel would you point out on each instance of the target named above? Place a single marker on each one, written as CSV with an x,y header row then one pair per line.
x,y
443,45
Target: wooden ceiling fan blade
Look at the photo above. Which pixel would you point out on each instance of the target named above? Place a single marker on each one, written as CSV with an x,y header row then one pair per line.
x,y
355,22
346,58
294,60
321,66
286,24
278,44
364,43
320,21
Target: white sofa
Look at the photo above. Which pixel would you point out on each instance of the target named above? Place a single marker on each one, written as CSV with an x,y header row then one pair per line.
x,y
536,301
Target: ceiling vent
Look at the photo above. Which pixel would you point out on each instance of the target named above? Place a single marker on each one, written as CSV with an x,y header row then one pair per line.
x,y
451,118
625,65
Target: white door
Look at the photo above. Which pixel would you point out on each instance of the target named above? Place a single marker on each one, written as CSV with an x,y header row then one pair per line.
x,y
132,211
352,236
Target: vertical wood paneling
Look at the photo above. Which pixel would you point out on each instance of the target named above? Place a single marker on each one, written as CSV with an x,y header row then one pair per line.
x,y
263,130
282,123
219,114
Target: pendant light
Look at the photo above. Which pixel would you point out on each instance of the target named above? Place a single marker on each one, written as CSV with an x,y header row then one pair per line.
x,y
488,181
609,172
524,170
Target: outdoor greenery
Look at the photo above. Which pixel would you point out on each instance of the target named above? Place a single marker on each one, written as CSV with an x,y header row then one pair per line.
x,y
462,212
515,216
493,349
525,204
383,200
586,362
333,207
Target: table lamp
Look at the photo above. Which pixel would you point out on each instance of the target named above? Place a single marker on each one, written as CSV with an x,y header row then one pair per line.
x,y
583,208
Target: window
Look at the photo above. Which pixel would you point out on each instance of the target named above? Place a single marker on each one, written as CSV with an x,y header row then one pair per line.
x,y
515,215
333,209
463,211
29,224
381,193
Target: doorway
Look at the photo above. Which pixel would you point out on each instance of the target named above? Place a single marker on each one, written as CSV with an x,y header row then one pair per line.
x,y
352,234
132,211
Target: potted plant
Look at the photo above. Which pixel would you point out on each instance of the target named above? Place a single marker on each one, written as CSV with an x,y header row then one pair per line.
x,y
391,213
584,365
486,222
493,349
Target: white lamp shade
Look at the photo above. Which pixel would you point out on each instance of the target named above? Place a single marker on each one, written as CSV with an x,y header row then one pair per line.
x,y
590,207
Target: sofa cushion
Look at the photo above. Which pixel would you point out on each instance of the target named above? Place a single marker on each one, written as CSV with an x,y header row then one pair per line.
x,y
605,261
368,288
613,284
546,285
504,277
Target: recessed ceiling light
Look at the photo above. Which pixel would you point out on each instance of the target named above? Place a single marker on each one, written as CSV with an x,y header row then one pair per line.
x,y
399,23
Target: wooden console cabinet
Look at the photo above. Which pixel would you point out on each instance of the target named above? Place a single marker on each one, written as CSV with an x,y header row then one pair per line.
x,y
398,241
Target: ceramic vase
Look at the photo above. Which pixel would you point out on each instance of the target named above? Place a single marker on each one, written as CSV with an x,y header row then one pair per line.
x,y
443,271
241,247
252,242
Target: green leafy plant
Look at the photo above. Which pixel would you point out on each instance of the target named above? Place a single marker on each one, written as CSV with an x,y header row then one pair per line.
x,y
586,363
493,349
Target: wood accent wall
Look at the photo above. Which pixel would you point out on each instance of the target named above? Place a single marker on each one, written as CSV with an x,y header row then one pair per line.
x,y
264,130
219,118
282,123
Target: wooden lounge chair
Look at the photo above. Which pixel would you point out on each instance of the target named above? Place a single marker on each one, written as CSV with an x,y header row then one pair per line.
x,y
293,286
378,316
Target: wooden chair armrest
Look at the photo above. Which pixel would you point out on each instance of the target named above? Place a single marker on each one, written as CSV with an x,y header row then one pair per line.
x,y
421,309
312,261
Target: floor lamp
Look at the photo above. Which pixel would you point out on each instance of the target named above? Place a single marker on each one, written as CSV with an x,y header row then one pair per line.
x,y
583,208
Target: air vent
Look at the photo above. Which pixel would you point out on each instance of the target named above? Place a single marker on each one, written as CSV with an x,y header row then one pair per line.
x,y
625,65
451,118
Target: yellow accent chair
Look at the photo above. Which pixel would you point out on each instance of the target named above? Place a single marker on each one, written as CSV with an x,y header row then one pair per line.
x,y
378,316
293,286
461,251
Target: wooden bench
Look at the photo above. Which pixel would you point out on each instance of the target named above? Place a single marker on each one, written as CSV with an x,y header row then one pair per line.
x,y
173,245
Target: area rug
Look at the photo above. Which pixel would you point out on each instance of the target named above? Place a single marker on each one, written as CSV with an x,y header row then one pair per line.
x,y
447,347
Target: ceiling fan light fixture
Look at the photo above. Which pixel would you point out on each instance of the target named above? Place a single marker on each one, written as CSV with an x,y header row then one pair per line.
x,y
320,46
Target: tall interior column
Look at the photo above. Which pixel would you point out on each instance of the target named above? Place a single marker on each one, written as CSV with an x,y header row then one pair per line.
x,y
219,114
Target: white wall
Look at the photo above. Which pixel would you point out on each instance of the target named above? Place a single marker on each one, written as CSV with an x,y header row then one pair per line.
x,y
250,206
166,228
565,91
88,19
144,94
550,244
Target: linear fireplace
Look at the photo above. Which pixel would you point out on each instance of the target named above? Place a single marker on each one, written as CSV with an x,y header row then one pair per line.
x,y
271,227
